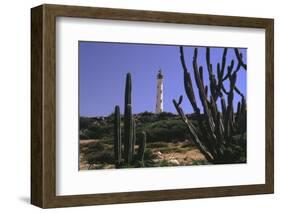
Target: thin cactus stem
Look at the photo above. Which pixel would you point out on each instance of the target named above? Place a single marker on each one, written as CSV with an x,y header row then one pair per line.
x,y
117,137
142,147
134,137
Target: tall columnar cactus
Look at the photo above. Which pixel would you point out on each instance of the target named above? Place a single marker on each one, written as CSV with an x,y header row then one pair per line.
x,y
214,133
117,136
128,158
128,121
128,91
128,134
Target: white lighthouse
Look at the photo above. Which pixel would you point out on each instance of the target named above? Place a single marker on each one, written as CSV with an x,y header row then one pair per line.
x,y
159,95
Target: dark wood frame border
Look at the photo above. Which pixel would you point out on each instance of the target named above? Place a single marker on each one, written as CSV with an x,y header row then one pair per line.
x,y
43,106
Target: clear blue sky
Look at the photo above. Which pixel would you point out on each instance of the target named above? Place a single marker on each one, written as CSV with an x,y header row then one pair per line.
x,y
103,67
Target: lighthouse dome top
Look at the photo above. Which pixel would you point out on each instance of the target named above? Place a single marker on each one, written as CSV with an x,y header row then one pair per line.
x,y
160,75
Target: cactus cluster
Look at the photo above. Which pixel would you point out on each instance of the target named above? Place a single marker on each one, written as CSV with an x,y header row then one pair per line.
x,y
216,129
125,152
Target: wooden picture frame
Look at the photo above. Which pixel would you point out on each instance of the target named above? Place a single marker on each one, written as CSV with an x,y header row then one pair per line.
x,y
43,105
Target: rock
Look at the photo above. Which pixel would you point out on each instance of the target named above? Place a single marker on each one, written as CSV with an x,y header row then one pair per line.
x,y
156,160
174,162
159,155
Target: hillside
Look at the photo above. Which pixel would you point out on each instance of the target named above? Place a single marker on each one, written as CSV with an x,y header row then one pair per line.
x,y
168,142
159,127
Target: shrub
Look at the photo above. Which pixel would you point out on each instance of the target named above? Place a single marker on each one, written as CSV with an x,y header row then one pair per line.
x,y
165,130
164,163
157,145
159,127
96,147
84,122
105,156
165,115
83,135
199,162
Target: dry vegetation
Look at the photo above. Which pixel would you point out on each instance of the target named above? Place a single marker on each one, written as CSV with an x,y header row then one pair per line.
x,y
99,154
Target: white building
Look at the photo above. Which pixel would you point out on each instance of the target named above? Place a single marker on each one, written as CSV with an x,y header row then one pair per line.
x,y
159,94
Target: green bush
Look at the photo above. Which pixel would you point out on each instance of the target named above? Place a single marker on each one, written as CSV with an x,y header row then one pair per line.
x,y
199,162
84,122
105,156
165,126
166,130
165,115
157,145
96,147
84,135
237,150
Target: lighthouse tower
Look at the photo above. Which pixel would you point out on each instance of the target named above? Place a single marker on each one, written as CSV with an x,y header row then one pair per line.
x,y
159,95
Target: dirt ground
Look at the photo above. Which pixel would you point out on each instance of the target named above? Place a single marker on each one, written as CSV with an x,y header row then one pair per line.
x,y
171,153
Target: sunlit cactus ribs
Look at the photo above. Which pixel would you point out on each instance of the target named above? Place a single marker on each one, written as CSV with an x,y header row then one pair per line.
x,y
126,157
220,131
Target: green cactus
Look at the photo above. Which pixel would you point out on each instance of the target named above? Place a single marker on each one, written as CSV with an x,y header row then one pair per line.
x,y
117,136
128,120
128,91
142,147
218,126
129,133
134,137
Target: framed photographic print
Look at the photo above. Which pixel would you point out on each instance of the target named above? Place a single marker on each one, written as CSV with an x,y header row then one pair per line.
x,y
136,106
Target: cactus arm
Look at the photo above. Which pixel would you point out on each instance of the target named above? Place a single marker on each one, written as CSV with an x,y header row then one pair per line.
x,y
223,107
202,94
220,74
193,132
238,92
188,83
203,91
212,79
239,58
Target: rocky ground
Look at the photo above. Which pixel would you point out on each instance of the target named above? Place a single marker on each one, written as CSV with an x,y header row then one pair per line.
x,y
182,153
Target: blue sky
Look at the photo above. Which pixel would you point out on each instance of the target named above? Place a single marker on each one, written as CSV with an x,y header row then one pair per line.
x,y
103,68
